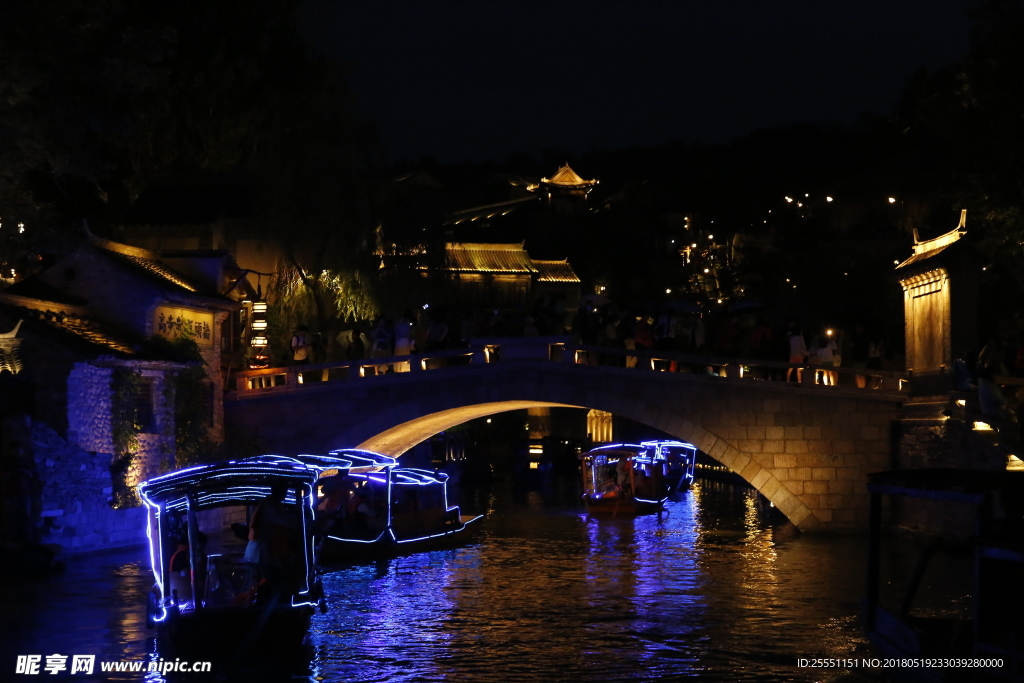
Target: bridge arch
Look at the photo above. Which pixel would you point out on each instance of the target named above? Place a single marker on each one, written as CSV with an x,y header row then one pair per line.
x,y
402,437
807,450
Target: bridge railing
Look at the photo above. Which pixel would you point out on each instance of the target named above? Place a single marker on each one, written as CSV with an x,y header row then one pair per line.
x,y
563,350
737,368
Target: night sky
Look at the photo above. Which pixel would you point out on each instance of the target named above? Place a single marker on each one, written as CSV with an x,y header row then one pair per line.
x,y
459,79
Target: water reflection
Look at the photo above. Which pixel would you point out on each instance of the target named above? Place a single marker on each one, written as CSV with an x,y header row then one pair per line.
x,y
709,588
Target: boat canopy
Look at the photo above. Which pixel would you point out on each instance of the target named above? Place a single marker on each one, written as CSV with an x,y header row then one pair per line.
x,y
320,463
229,483
633,451
364,459
411,475
665,445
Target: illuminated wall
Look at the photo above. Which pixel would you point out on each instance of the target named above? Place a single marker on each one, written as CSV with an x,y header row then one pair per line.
x,y
926,306
599,426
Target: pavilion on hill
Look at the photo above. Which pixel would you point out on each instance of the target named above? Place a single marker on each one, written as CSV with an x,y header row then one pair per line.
x,y
566,190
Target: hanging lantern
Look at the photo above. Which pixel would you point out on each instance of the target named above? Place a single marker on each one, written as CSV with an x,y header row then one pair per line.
x,y
259,307
259,323
259,340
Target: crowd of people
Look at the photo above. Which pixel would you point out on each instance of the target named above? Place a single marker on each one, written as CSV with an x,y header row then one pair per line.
x,y
737,334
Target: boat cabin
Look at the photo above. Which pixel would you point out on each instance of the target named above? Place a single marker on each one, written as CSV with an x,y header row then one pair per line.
x,y
230,542
623,478
679,457
364,499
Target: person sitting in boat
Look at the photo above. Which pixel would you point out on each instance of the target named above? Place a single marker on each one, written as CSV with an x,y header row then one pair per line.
x,y
361,510
608,488
270,533
622,474
335,491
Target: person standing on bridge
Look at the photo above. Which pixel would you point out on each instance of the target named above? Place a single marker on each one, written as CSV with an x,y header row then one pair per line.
x,y
301,347
403,340
797,351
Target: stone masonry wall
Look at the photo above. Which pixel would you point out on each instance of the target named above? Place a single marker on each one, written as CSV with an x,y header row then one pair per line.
x,y
89,406
75,511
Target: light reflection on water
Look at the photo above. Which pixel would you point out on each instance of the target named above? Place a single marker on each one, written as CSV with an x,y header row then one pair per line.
x,y
547,594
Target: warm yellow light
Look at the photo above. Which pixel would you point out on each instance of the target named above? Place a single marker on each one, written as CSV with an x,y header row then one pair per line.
x,y
711,237
789,199
534,465
694,245
707,270
828,332
260,340
961,402
259,307
828,199
259,324
892,200
982,427
719,301
488,420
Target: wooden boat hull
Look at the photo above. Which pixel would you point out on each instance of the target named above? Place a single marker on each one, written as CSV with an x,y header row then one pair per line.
x,y
335,549
237,630
623,506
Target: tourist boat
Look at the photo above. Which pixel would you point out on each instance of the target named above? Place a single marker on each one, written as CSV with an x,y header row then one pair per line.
x,y
624,479
216,589
679,457
368,506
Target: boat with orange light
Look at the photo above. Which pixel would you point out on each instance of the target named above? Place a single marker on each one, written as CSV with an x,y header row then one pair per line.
x,y
624,479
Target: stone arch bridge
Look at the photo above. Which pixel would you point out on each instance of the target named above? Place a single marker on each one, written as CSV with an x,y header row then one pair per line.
x,y
805,447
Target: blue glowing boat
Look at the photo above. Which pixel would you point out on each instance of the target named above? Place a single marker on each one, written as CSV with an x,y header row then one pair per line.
x,y
370,507
624,479
679,457
232,552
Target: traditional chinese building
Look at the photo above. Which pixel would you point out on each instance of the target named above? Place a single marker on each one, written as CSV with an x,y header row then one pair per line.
x,y
76,342
62,374
505,275
940,294
566,191
138,292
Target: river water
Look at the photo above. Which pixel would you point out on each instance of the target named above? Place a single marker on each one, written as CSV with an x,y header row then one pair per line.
x,y
714,588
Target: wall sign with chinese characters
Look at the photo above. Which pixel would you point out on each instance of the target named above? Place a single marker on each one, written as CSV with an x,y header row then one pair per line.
x,y
176,322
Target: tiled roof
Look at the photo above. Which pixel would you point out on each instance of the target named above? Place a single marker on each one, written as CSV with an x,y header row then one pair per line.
x,y
555,271
68,319
926,249
146,264
145,261
567,177
487,258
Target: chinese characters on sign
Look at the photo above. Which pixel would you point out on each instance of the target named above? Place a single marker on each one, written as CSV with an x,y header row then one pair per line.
x,y
29,664
177,322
